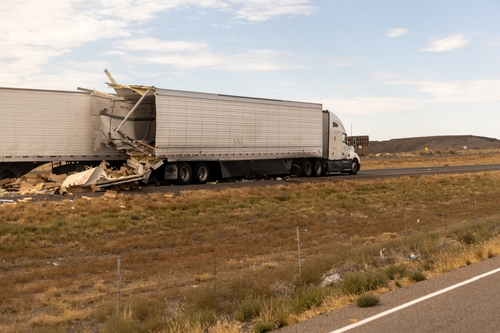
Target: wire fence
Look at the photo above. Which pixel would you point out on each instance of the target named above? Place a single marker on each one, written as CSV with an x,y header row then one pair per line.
x,y
240,257
223,267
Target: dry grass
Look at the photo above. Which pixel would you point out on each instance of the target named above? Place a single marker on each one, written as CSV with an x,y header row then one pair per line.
x,y
431,159
208,250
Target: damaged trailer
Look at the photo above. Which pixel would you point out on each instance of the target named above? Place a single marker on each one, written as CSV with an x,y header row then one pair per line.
x,y
44,126
193,136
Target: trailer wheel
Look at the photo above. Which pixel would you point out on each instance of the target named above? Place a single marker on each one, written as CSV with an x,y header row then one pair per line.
x,y
6,172
201,173
354,167
185,174
317,167
307,168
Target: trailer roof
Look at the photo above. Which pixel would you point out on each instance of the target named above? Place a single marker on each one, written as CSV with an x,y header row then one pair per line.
x,y
44,90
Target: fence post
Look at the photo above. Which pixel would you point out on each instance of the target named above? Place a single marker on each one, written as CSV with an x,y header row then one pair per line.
x,y
118,286
406,238
444,218
215,266
298,247
349,235
475,212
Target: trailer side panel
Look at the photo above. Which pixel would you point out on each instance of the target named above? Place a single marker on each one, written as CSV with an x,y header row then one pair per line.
x,y
48,125
201,126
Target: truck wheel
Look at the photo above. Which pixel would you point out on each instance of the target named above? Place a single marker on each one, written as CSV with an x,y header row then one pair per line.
x,y
185,174
317,167
354,167
201,173
307,168
6,172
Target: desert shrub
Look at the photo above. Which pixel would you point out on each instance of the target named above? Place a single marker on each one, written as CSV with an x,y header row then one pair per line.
x,y
305,298
248,309
205,300
205,318
122,323
274,314
143,309
466,237
311,274
355,283
367,300
417,276
262,327
394,272
427,265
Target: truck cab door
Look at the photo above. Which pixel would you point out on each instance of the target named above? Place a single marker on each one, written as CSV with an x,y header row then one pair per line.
x,y
336,136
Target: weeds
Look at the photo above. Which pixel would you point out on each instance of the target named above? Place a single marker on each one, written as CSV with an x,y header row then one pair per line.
x,y
417,276
194,262
367,300
355,283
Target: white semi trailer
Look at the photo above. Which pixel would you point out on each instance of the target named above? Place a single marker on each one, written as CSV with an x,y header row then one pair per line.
x,y
199,136
41,126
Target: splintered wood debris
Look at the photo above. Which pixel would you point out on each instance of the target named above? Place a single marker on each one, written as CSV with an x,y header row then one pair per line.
x,y
90,180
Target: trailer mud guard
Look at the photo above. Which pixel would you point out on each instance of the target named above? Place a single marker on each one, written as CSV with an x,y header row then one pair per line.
x,y
231,169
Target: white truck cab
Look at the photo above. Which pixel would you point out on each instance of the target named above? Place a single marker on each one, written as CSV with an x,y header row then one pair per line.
x,y
338,154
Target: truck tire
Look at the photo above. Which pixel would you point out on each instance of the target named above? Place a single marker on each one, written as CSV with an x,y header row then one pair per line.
x,y
354,167
8,172
317,167
306,167
185,173
201,173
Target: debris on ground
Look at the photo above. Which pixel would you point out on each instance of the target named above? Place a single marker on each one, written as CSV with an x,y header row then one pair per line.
x,y
414,257
88,181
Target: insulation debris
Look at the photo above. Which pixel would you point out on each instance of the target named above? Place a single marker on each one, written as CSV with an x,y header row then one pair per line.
x,y
87,181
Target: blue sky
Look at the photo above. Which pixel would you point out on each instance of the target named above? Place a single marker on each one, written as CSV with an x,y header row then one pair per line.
x,y
388,68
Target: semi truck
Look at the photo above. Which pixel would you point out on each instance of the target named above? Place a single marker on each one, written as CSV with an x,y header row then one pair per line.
x,y
186,137
42,126
198,136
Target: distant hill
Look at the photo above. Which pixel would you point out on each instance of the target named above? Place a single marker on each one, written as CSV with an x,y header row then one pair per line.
x,y
442,143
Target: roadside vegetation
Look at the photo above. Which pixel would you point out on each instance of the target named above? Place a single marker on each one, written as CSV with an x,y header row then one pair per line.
x,y
431,158
247,259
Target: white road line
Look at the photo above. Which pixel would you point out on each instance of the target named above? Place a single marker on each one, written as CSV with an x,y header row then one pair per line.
x,y
418,300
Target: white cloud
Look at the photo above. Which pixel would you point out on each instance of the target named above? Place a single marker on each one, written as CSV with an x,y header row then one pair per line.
x,y
262,10
158,45
371,105
448,43
251,60
438,92
396,32
32,32
478,91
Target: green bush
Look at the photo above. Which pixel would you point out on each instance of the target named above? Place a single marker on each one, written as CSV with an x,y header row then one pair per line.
x,y
417,276
262,327
367,300
394,272
466,237
355,283
305,298
248,309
